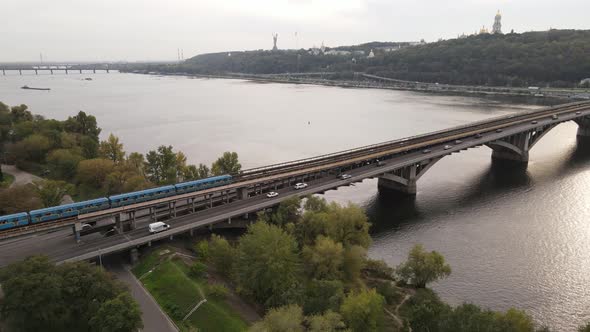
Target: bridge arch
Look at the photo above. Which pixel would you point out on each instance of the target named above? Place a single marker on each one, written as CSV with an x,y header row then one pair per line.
x,y
513,148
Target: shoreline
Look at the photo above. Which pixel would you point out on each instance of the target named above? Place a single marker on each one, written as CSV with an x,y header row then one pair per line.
x,y
547,93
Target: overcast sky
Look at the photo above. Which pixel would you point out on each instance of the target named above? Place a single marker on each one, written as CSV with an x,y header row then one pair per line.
x,y
112,30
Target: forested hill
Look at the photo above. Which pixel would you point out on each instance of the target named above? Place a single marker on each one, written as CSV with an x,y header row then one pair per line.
x,y
559,58
556,57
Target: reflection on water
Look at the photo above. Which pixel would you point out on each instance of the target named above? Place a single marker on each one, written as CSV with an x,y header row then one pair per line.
x,y
514,236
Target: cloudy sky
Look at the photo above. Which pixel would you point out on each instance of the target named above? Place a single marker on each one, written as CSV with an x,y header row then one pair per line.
x,y
112,30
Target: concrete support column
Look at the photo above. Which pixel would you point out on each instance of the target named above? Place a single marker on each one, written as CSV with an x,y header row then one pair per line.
x,y
513,148
76,228
583,126
242,193
51,70
132,220
119,223
404,183
191,232
133,256
20,72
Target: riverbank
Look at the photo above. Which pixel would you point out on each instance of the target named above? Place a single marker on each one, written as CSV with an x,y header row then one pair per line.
x,y
365,81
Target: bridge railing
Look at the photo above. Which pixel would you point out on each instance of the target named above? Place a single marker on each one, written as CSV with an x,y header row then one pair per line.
x,y
386,143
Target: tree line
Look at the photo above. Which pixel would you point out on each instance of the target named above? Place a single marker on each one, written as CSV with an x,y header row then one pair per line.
x,y
40,296
305,265
558,58
72,158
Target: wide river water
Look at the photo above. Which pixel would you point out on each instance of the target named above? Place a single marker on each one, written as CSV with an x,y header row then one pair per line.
x,y
514,237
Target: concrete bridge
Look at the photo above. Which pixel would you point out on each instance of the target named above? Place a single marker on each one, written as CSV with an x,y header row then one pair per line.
x,y
398,165
54,68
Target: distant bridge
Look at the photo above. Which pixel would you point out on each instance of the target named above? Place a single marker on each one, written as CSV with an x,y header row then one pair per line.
x,y
64,68
398,165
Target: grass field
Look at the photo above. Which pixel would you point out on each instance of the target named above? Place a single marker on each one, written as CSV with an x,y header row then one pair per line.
x,y
8,179
177,293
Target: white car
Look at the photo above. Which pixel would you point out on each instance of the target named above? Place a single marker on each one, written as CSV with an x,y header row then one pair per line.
x,y
447,147
300,185
344,176
157,227
272,194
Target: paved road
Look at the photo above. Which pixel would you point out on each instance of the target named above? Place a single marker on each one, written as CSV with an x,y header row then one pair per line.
x,y
154,319
20,177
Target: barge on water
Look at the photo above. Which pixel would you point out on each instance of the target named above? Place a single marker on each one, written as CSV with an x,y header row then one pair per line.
x,y
30,88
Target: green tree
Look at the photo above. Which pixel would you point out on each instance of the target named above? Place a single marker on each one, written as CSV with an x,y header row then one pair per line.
x,y
19,199
36,147
112,149
328,322
324,260
422,267
160,166
39,296
425,312
322,295
353,263
192,172
120,314
52,192
89,147
584,328
222,255
268,266
64,163
226,164
137,161
20,113
284,319
83,124
348,225
363,311
93,172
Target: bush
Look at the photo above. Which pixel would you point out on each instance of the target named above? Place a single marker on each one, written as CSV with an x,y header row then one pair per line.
x,y
202,249
197,270
217,291
379,269
389,292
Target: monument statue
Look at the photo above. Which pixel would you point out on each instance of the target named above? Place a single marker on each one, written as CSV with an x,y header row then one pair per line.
x,y
275,36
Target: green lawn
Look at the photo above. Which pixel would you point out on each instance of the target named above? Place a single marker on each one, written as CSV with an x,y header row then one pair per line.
x,y
8,179
177,293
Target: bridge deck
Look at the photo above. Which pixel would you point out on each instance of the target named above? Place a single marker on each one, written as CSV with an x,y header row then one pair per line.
x,y
60,246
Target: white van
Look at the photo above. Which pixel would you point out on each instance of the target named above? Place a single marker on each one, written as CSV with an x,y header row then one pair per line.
x,y
158,227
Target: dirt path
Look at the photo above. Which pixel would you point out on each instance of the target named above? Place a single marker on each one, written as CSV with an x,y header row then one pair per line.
x,y
20,177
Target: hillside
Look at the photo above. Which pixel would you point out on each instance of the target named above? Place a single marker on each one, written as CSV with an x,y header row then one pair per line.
x,y
559,58
556,57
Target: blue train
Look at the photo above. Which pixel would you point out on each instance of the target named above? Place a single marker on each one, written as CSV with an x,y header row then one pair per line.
x,y
74,209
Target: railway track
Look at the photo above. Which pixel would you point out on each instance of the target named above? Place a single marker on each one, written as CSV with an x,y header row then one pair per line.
x,y
409,143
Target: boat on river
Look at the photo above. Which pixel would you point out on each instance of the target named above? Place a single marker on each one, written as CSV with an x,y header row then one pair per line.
x,y
31,88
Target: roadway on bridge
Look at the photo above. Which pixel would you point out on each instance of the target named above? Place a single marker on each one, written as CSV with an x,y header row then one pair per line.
x,y
60,245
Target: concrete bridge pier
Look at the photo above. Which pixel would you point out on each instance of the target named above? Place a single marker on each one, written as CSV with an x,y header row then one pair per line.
x,y
242,193
20,71
583,126
516,148
51,70
133,256
404,180
76,228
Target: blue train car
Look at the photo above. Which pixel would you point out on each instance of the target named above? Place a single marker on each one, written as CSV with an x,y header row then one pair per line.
x,y
14,220
141,196
68,210
215,181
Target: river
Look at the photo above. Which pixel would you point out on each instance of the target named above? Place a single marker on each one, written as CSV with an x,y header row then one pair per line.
x,y
514,237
